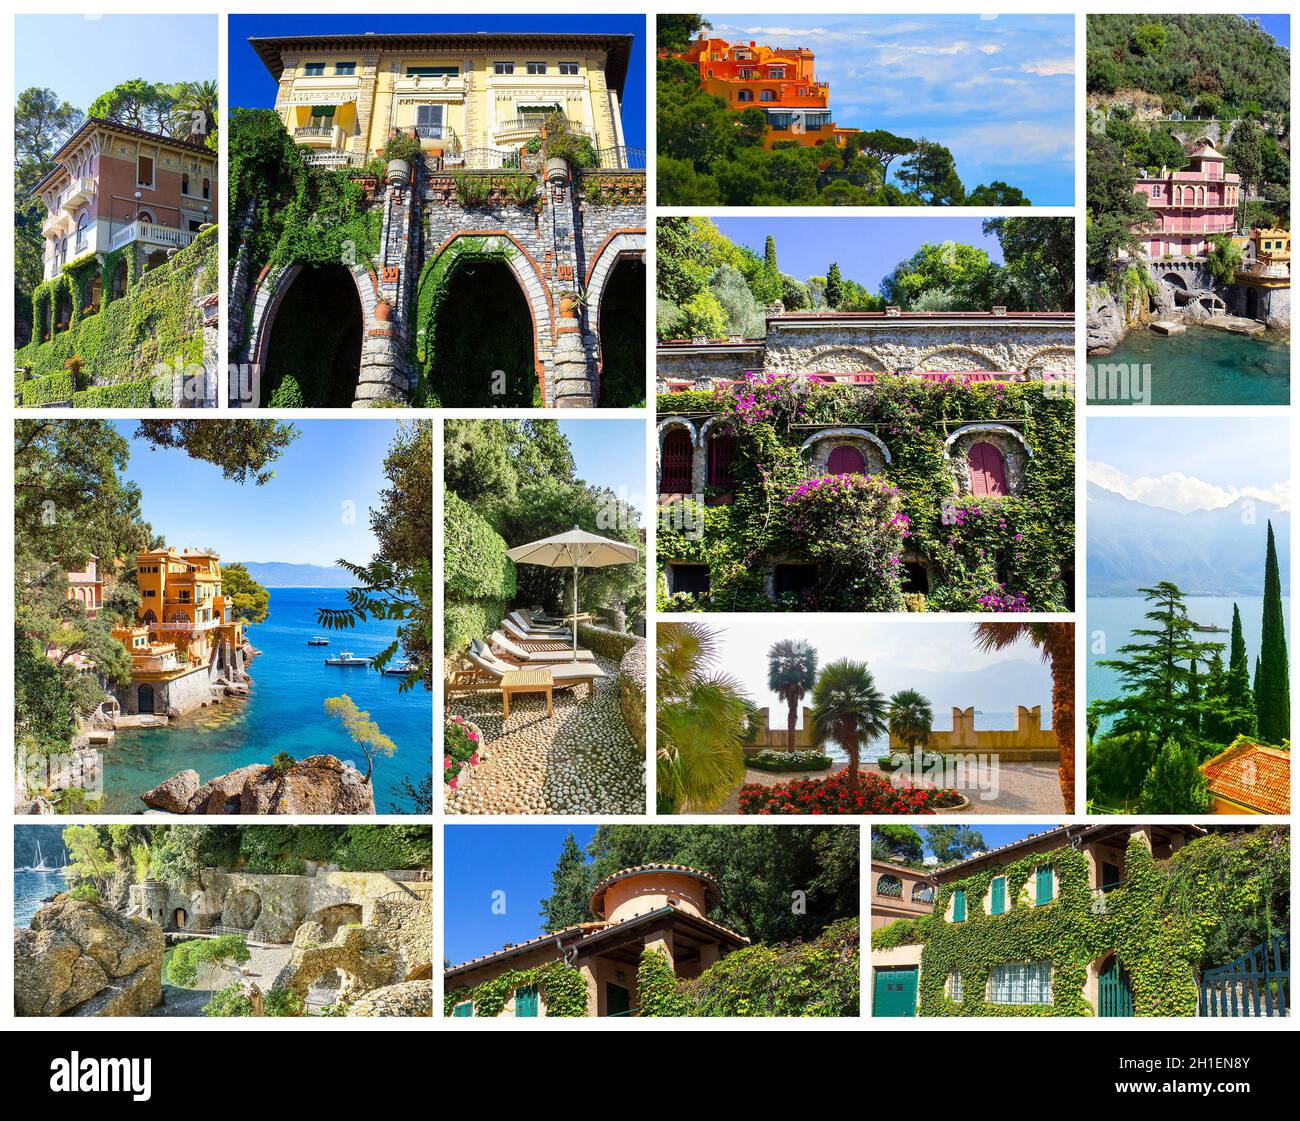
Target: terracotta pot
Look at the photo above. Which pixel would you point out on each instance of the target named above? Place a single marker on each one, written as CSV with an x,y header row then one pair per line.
x,y
568,307
383,310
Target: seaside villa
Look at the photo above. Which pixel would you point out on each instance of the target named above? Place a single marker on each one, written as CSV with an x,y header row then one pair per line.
x,y
662,907
181,643
115,187
1191,205
779,82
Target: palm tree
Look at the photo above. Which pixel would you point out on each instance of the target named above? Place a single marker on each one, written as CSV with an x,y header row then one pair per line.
x,y
911,718
195,102
701,724
849,709
1055,643
791,673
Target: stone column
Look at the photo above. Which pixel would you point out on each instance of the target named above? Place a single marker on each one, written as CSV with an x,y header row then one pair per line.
x,y
571,383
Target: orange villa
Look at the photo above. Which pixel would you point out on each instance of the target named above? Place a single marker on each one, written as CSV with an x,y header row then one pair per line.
x,y
664,907
181,644
115,186
778,81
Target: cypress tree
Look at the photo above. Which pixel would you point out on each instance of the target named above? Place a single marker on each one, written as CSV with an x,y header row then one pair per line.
x,y
1193,700
1272,700
834,286
769,255
1240,699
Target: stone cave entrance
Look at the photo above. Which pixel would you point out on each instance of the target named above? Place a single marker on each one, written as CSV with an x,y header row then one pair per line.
x,y
242,910
481,340
313,359
621,328
341,914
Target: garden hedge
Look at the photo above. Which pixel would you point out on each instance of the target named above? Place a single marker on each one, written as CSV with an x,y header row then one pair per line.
x,y
478,577
983,552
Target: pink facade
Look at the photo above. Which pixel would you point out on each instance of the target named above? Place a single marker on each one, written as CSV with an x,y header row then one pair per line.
x,y
1191,206
86,587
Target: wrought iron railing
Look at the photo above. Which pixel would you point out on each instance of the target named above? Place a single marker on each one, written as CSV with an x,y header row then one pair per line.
x,y
314,130
534,123
435,132
622,156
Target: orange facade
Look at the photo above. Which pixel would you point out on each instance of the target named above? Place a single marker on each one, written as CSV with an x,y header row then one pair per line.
x,y
779,82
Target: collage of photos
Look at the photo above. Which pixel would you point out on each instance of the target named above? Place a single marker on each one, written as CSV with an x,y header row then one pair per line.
x,y
954,535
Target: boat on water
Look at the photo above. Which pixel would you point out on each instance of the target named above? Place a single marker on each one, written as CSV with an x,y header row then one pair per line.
x,y
40,865
318,640
399,668
347,658
1209,628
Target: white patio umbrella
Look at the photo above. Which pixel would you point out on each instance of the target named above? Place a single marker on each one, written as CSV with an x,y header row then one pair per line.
x,y
575,549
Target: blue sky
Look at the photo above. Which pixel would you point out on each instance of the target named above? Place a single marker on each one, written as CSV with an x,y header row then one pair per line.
x,y
610,453
995,836
251,85
479,860
866,249
1277,26
997,91
1186,463
96,53
298,517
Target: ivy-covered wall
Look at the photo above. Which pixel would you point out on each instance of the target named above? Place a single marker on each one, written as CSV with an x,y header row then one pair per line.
x,y
562,989
1005,553
104,356
1157,925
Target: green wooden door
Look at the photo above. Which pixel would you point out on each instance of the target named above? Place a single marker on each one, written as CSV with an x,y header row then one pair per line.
x,y
1114,991
526,1001
618,1000
894,992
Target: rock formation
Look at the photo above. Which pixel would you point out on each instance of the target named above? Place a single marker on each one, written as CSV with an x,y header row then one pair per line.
x,y
81,958
407,998
319,784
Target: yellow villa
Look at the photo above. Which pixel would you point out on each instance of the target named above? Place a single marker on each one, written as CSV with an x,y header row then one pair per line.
x,y
181,644
343,96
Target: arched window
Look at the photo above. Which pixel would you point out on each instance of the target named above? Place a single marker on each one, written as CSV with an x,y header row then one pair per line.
x,y
185,182
144,216
722,455
988,472
846,460
767,95
922,893
207,188
889,886
675,467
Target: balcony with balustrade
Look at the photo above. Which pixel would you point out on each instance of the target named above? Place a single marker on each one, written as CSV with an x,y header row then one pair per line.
x,y
150,233
516,130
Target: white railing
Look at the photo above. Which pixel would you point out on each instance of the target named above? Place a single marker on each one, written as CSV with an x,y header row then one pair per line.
x,y
185,628
151,234
326,159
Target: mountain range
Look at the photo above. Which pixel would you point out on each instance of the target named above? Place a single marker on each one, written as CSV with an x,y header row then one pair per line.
x,y
1205,552
280,574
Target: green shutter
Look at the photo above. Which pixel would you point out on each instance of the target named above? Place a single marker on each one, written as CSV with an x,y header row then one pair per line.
x,y
959,905
999,895
526,1001
1044,885
466,1009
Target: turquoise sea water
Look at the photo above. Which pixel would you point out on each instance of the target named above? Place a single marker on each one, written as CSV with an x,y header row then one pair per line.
x,y
1111,621
1204,367
984,722
30,888
285,711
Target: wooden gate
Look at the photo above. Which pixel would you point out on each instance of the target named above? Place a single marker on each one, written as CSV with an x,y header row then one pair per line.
x,y
1114,990
1256,984
894,991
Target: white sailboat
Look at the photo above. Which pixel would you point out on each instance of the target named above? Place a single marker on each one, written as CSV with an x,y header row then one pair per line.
x,y
40,865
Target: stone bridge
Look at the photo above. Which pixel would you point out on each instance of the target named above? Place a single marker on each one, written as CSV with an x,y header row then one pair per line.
x,y
470,252
1023,345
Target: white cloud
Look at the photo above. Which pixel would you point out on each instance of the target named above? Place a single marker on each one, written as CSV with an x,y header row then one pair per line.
x,y
990,48
1048,67
1182,493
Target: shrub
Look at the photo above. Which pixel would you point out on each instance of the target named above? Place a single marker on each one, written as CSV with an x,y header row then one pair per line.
x,y
769,760
85,892
460,744
832,795
478,576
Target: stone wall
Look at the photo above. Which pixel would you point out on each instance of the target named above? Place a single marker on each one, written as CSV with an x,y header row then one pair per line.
x,y
629,652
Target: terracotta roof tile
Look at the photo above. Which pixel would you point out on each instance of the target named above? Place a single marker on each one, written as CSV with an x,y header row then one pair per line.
x,y
1252,775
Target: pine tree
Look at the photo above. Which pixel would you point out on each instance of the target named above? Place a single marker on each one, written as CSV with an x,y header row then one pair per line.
x,y
1175,784
834,286
573,883
1272,699
1193,700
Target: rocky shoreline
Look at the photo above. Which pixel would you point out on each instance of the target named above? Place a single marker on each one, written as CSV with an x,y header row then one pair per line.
x,y
319,784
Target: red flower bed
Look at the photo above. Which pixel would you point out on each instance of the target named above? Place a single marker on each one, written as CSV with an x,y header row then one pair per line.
x,y
832,795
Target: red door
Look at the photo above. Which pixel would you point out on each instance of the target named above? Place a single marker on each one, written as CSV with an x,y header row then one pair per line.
x,y
846,460
675,468
988,473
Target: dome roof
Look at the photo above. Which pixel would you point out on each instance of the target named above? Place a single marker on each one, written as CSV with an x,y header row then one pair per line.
x,y
712,893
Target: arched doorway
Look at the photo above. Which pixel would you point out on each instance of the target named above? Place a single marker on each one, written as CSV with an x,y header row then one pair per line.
x,y
144,699
180,918
1114,990
480,338
621,329
313,359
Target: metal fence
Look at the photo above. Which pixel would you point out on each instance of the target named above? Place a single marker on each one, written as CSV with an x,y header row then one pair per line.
x,y
1256,984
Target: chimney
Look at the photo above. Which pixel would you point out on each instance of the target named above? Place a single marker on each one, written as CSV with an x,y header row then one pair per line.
x,y
998,309
893,309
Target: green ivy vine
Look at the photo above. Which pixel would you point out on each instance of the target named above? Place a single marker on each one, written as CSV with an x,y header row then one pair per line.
x,y
563,990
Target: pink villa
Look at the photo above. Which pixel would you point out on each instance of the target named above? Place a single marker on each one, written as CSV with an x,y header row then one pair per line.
x,y
114,186
1191,205
87,587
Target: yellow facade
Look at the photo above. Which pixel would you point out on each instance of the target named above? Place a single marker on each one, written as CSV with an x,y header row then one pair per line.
x,y
342,97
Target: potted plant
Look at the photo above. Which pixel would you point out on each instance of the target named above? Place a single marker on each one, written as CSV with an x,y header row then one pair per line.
x,y
383,310
401,153
570,302
564,150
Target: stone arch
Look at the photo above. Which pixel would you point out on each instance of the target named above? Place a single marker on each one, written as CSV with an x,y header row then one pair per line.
x,y
844,360
335,916
272,288
821,444
144,699
955,358
1050,359
623,248
696,437
1174,280
1010,445
484,245
973,429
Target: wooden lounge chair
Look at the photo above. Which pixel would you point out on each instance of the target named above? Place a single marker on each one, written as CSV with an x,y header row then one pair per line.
x,y
530,630
536,653
523,637
487,669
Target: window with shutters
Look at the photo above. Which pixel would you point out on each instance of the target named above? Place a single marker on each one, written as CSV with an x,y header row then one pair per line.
x,y
526,1001
464,1008
959,905
144,171
1021,983
722,454
998,896
846,460
988,472
1043,885
954,987
675,464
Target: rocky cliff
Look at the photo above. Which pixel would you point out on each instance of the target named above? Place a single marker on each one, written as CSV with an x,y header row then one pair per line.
x,y
319,784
